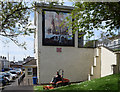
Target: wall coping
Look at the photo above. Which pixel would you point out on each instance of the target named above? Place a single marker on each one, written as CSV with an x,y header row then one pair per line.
x,y
54,7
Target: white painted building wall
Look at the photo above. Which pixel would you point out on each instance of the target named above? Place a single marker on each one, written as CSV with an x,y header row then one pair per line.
x,y
108,58
74,61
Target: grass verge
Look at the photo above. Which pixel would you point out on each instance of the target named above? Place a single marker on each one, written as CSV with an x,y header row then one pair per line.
x,y
108,83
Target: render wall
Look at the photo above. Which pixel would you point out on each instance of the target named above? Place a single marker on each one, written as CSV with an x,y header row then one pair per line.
x,y
75,62
108,58
96,64
28,80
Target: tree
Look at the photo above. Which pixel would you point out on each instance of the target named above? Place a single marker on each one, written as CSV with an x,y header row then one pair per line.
x,y
91,43
86,15
15,20
99,15
104,40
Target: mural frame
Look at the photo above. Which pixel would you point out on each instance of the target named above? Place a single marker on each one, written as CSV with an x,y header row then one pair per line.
x,y
43,29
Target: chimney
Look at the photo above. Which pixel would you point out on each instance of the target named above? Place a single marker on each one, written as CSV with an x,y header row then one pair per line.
x,y
4,57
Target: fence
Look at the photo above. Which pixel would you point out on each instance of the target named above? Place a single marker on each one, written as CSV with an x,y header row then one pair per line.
x,y
21,78
113,45
87,44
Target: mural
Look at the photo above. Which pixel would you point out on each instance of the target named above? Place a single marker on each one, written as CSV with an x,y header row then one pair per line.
x,y
56,30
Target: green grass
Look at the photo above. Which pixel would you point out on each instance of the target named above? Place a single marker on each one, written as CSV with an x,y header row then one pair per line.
x,y
38,88
105,83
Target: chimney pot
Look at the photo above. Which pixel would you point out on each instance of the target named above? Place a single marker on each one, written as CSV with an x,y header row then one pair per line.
x,y
4,57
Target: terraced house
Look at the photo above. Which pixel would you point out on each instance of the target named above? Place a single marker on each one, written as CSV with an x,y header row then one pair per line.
x,y
4,63
56,50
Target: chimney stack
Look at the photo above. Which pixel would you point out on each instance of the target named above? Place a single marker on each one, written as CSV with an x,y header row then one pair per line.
x,y
4,57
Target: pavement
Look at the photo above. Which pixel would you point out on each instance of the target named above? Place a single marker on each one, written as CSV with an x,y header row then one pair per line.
x,y
14,87
18,89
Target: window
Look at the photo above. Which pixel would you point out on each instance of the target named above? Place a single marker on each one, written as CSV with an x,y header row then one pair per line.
x,y
29,71
114,42
55,34
119,41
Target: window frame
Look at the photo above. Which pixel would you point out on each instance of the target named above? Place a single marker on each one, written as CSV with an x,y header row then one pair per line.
x,y
118,41
31,71
43,29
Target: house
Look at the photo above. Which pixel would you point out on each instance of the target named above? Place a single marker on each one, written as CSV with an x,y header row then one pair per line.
x,y
30,71
20,62
4,62
28,58
114,43
15,64
56,50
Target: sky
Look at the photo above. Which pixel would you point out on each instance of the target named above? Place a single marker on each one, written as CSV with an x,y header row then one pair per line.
x,y
18,53
11,50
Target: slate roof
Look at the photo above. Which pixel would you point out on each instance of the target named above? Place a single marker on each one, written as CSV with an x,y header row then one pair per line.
x,y
30,62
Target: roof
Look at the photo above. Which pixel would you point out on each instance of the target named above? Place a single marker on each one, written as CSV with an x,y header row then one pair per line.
x,y
28,59
30,62
3,60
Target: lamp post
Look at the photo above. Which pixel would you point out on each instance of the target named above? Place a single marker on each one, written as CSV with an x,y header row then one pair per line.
x,y
7,45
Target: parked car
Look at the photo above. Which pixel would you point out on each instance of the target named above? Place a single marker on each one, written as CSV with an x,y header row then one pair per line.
x,y
10,69
23,68
13,76
7,76
13,72
3,80
18,70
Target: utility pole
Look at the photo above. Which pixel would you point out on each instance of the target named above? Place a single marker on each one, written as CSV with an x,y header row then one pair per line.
x,y
14,58
8,56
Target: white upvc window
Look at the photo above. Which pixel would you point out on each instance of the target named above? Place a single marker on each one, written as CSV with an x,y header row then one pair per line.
x,y
30,71
114,42
119,41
